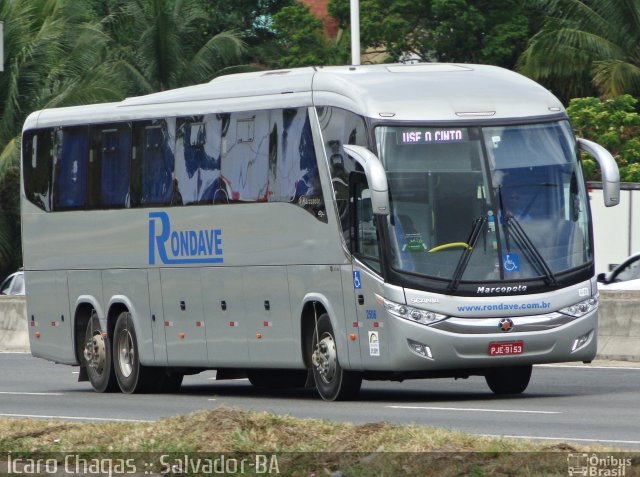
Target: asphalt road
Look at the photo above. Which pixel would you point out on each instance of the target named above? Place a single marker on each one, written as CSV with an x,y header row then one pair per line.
x,y
584,404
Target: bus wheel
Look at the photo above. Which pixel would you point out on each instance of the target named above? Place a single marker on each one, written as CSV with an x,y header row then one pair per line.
x,y
513,380
131,375
97,358
277,378
332,382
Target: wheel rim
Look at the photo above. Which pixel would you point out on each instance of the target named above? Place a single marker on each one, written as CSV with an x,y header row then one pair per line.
x,y
95,353
126,353
325,358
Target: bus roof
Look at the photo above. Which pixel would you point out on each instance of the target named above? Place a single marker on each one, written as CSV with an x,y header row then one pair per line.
x,y
427,92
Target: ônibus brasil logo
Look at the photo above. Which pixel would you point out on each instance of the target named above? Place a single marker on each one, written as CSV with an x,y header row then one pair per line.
x,y
175,247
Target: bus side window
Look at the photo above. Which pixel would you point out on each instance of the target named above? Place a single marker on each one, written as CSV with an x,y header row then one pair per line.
x,y
157,185
37,167
114,154
340,127
71,159
364,239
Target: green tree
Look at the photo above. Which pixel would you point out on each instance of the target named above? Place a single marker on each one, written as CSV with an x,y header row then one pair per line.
x,y
586,47
301,39
54,56
254,20
162,44
615,124
473,31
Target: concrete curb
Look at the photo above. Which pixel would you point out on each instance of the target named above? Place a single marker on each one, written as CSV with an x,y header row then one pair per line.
x,y
619,326
618,332
13,324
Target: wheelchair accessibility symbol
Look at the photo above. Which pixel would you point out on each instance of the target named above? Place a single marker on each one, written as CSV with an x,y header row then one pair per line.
x,y
511,262
357,283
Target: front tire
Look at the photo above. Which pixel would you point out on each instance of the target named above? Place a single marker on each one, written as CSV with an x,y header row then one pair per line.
x,y
97,358
132,376
332,381
512,380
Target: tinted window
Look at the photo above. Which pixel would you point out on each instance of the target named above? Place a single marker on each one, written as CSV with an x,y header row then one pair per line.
x,y
114,159
255,156
37,167
71,163
341,127
197,169
153,163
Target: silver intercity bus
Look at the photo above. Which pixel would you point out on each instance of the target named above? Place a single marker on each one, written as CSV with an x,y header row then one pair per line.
x,y
312,227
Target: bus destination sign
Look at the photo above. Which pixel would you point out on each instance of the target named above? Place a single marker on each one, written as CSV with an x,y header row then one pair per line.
x,y
426,136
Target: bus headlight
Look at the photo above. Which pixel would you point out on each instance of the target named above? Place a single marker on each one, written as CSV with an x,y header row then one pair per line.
x,y
409,313
582,308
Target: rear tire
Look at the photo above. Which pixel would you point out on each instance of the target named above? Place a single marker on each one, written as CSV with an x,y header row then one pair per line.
x,y
132,376
332,381
512,380
97,358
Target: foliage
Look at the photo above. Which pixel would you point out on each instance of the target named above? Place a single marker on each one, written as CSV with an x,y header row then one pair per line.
x,y
614,124
302,40
253,19
481,31
586,47
160,45
10,251
54,56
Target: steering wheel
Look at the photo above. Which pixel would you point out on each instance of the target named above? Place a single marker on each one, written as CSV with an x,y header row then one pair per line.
x,y
446,246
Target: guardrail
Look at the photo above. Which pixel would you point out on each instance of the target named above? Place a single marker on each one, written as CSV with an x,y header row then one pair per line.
x,y
618,332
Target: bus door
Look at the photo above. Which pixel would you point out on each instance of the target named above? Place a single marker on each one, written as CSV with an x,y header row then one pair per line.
x,y
366,275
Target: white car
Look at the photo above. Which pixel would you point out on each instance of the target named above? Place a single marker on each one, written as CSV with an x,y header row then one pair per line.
x,y
625,276
13,284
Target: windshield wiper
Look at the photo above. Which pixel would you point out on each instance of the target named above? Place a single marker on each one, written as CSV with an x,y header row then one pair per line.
x,y
529,248
463,261
524,242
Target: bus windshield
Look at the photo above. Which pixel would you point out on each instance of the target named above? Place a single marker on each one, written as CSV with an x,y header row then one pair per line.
x,y
500,203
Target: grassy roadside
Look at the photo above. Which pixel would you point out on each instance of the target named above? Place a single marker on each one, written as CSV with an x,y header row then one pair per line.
x,y
303,448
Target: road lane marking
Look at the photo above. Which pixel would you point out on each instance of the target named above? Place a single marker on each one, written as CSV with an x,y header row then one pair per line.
x,y
575,439
20,393
73,418
624,368
471,409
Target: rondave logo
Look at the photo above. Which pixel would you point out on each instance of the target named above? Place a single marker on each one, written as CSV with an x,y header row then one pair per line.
x,y
176,247
597,465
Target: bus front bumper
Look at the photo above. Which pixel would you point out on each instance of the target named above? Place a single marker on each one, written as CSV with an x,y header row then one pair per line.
x,y
417,347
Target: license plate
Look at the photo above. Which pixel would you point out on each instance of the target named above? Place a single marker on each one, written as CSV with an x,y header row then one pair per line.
x,y
506,349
